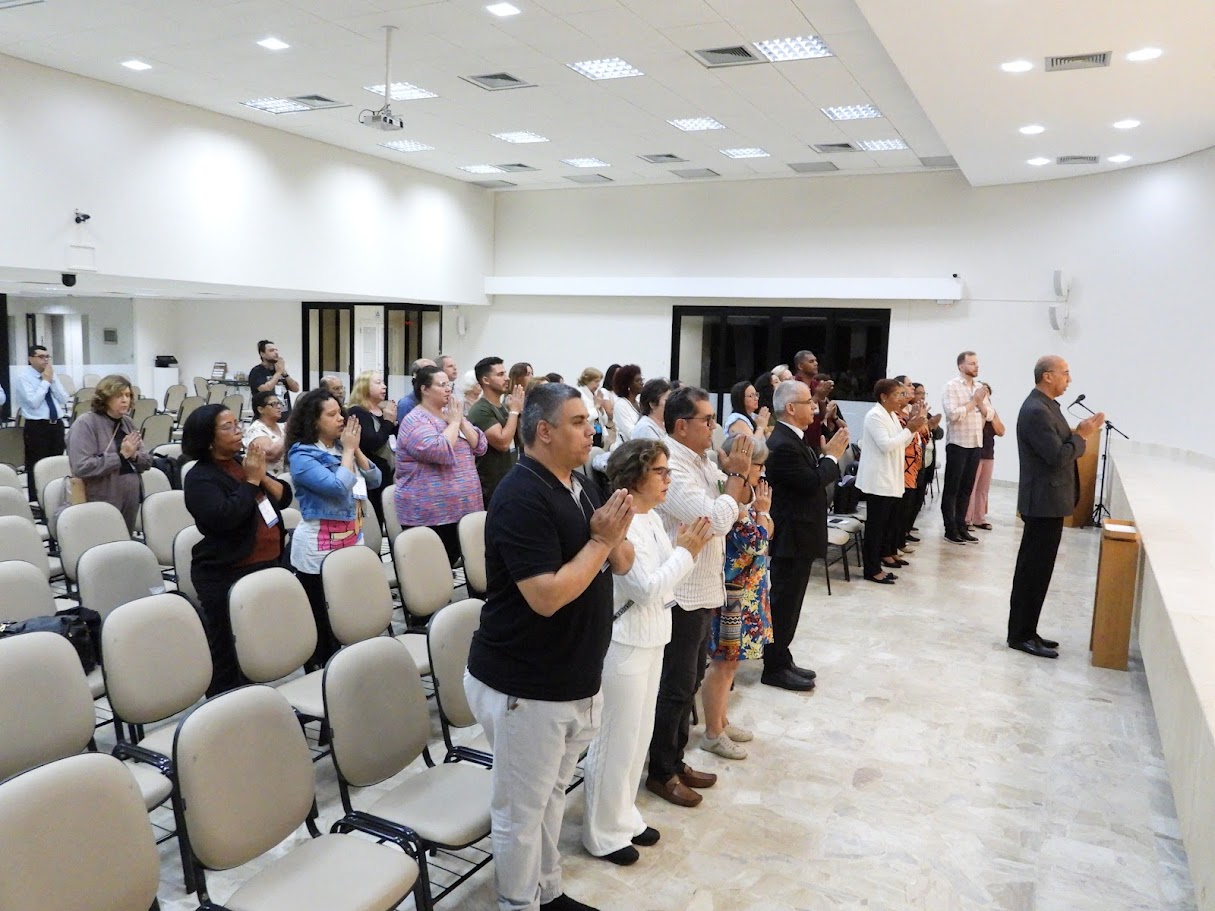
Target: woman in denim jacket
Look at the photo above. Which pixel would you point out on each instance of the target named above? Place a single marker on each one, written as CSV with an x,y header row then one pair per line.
x,y
331,477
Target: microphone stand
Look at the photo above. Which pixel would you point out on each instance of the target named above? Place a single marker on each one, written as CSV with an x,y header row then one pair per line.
x,y
1101,511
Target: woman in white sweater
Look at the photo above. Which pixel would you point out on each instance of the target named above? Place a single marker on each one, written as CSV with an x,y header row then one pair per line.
x,y
640,630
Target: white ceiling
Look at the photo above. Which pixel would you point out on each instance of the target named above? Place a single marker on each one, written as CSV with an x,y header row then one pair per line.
x,y
930,67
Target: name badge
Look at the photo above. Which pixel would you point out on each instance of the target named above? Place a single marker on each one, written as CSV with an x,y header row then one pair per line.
x,y
360,488
268,514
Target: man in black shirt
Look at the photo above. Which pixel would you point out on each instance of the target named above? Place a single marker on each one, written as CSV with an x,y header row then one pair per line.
x,y
535,663
270,373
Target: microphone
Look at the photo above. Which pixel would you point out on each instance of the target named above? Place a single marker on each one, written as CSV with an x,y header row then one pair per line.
x,y
1080,398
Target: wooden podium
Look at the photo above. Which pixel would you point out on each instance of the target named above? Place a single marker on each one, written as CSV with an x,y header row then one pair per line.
x,y
1086,465
1114,599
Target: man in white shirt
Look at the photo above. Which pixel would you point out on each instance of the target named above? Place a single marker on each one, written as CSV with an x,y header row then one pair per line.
x,y
966,410
38,394
693,494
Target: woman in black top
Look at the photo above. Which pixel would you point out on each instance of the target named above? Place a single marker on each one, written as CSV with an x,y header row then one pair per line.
x,y
371,407
236,507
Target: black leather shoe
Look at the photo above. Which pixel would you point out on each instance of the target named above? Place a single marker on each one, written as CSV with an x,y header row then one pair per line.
x,y
887,579
954,538
803,671
1032,647
967,537
626,856
787,679
913,539
1046,643
647,838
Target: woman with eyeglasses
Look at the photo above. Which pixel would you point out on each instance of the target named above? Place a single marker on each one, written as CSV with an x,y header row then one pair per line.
x,y
437,448
747,414
267,410
236,504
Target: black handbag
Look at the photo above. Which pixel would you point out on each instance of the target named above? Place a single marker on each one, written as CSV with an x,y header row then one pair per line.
x,y
73,628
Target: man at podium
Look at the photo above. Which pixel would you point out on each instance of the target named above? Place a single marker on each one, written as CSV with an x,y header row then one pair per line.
x,y
1047,492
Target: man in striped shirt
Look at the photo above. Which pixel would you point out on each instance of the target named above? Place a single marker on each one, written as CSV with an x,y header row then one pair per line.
x,y
966,410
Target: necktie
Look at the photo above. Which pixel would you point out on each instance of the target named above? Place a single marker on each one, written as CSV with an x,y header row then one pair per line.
x,y
50,404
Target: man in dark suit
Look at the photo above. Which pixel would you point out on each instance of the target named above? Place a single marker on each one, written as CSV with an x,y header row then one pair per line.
x,y
799,479
1048,490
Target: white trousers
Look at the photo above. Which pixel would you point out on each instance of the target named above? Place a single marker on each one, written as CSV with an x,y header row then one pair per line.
x,y
536,745
617,754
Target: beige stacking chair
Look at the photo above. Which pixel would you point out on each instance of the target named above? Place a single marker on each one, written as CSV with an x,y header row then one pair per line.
x,y
163,515
157,429
47,470
26,593
174,396
14,502
9,478
141,410
183,559
448,637
86,525
19,540
112,574
472,546
424,573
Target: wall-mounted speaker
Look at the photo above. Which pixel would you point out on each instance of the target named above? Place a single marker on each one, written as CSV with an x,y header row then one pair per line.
x,y
1063,284
1058,317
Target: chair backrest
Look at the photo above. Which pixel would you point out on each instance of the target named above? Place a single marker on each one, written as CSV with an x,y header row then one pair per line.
x,y
189,405
85,392
87,808
359,599
14,502
242,794
185,470
54,496
422,570
215,395
12,446
68,384
156,658
472,546
9,478
235,403
168,450
164,515
141,410
174,396
19,540
26,593
286,478
373,538
183,560
155,481
46,706
82,406
47,469
91,380
391,523
200,386
157,429
448,638
376,710
272,624
86,525
115,573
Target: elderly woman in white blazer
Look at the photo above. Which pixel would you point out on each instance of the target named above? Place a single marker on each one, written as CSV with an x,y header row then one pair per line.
x,y
880,475
640,630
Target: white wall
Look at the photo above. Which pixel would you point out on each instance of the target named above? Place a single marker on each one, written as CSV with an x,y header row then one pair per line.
x,y
1135,241
178,193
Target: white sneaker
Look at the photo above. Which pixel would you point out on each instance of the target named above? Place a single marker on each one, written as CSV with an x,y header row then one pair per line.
x,y
737,734
723,746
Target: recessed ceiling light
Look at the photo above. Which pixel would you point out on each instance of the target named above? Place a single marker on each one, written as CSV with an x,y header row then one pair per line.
x,y
1038,162
276,105
520,136
608,68
585,163
1144,53
273,44
401,91
805,47
1118,159
482,169
503,9
852,112
1126,124
407,145
137,65
881,145
1017,66
1032,129
745,153
696,124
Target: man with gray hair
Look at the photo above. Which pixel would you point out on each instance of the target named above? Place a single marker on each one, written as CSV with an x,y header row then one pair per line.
x,y
335,385
536,661
447,364
409,401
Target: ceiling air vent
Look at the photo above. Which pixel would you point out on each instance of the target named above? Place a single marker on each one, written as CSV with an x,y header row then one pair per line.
x,y
1077,62
727,56
1077,159
318,102
939,161
493,184
518,166
812,167
695,173
589,178
663,158
496,82
834,148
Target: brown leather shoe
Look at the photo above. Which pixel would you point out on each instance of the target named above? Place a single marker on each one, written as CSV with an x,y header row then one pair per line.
x,y
694,779
673,791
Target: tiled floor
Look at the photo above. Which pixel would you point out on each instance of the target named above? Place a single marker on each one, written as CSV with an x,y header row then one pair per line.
x,y
933,768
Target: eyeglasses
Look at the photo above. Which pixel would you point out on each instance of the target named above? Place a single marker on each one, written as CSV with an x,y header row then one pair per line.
x,y
274,404
708,419
802,402
228,426
661,472
440,385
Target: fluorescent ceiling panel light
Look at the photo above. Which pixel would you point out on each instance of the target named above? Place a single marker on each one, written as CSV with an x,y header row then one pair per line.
x,y
482,169
881,145
805,47
1017,66
1126,124
696,124
276,105
518,136
608,68
745,153
137,65
503,9
401,91
852,112
1118,159
407,145
1038,162
1032,129
273,44
585,163
1144,53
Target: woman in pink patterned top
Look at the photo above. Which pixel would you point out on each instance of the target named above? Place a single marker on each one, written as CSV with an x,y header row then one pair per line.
x,y
436,479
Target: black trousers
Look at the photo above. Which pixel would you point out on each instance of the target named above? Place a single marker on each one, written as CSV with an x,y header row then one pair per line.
x,y
213,586
881,530
1031,579
790,575
961,465
683,668
326,642
908,510
42,439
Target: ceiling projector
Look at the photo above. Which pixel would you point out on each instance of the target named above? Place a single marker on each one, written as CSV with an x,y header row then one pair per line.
x,y
382,119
